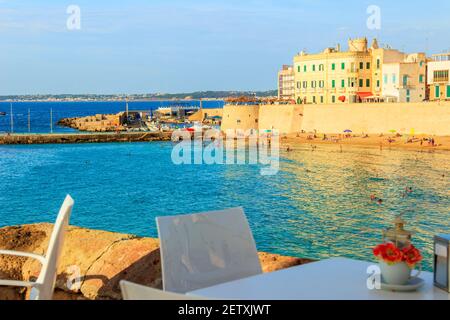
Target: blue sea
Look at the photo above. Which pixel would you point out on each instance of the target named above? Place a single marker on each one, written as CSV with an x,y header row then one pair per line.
x,y
317,206
40,112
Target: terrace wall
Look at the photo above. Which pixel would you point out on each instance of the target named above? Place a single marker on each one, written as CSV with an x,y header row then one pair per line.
x,y
419,118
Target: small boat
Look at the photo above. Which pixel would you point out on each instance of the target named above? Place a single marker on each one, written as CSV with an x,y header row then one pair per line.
x,y
2,113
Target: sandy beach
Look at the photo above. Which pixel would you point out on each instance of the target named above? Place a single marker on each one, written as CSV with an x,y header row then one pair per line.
x,y
386,141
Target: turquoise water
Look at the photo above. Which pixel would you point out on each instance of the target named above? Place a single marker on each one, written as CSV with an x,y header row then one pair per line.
x,y
317,206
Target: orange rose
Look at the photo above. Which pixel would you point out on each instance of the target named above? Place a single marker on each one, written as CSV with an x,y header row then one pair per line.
x,y
412,256
388,252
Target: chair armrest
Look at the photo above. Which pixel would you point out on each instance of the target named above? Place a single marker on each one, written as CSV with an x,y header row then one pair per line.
x,y
41,259
16,283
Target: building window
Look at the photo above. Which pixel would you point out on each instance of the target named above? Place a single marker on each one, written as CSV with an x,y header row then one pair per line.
x,y
304,68
368,65
321,68
361,83
298,68
378,63
361,65
385,78
421,78
333,83
367,82
314,67
343,83
408,92
298,85
321,99
448,91
437,92
394,78
378,83
405,80
305,84
440,76
313,84
333,99
256,120
314,99
238,121
333,66
408,99
343,65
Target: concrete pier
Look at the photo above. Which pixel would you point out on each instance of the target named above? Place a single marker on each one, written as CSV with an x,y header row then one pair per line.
x,y
84,137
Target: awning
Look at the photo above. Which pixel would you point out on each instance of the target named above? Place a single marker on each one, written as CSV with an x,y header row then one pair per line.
x,y
342,98
363,95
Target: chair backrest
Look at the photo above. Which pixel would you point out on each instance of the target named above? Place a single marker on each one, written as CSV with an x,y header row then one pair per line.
x,y
204,249
47,277
133,291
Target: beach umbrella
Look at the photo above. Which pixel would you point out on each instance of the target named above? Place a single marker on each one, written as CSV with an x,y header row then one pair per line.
x,y
348,131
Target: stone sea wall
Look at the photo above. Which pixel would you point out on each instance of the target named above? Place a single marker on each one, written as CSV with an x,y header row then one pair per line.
x,y
99,258
84,138
419,118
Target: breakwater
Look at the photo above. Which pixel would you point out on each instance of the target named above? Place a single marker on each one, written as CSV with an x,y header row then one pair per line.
x,y
84,138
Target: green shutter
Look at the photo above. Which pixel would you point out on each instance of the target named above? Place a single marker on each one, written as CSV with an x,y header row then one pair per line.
x,y
448,91
343,66
333,83
361,83
343,83
298,68
438,92
367,82
304,68
333,66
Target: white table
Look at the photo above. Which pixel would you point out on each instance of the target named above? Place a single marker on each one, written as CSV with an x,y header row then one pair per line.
x,y
331,279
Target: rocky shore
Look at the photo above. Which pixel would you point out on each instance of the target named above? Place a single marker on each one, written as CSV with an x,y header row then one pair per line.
x,y
97,123
99,259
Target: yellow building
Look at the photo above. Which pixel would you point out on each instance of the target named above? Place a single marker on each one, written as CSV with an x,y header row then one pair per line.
x,y
438,77
286,83
351,76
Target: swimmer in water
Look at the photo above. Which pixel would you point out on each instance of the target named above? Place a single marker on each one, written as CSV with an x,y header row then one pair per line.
x,y
380,201
372,197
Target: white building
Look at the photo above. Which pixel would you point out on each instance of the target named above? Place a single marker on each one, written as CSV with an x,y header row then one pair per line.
x,y
405,81
286,83
438,77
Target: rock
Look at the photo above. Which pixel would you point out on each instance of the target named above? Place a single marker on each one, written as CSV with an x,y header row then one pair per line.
x,y
93,261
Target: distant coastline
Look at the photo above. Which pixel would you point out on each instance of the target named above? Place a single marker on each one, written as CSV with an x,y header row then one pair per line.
x,y
206,95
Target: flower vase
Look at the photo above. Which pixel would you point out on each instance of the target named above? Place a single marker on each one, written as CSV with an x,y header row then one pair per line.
x,y
395,273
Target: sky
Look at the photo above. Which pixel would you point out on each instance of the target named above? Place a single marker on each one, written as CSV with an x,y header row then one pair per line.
x,y
175,46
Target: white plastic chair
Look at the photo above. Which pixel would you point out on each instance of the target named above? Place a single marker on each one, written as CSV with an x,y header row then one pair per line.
x,y
133,291
204,249
44,286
